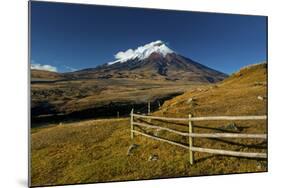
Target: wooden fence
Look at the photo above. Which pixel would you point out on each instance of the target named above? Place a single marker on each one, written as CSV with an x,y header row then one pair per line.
x,y
192,135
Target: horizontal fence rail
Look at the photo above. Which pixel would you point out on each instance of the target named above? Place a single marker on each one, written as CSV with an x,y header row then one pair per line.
x,y
192,135
210,118
207,150
204,135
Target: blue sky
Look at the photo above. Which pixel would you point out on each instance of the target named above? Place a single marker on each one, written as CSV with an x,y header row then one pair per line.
x,y
69,37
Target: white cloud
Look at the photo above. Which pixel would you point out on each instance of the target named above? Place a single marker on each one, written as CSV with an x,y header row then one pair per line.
x,y
44,67
126,54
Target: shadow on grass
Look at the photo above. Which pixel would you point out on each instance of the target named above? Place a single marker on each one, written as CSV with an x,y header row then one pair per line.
x,y
260,145
241,128
213,156
203,159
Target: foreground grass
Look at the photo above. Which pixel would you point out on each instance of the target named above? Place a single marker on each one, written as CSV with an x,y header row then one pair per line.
x,y
96,151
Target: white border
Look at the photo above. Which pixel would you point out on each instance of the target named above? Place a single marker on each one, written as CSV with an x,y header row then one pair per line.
x,y
13,93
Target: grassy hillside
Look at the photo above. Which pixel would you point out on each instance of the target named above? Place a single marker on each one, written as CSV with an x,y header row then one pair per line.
x,y
45,75
96,150
236,95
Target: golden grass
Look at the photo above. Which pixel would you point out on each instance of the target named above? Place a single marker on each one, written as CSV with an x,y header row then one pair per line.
x,y
237,95
96,150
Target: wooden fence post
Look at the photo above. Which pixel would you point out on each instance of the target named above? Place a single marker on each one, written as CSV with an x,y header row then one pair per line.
x,y
190,140
132,123
148,108
190,134
148,111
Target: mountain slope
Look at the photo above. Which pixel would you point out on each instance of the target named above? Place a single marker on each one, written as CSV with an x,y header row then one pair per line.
x,y
243,93
153,61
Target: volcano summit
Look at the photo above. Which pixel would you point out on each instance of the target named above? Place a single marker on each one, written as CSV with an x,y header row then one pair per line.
x,y
155,61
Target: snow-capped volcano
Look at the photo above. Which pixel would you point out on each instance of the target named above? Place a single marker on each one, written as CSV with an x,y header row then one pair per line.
x,y
142,52
153,61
